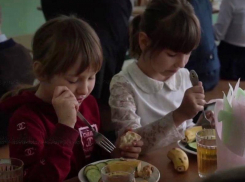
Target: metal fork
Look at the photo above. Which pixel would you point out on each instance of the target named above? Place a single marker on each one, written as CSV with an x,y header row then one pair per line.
x,y
100,139
205,121
194,80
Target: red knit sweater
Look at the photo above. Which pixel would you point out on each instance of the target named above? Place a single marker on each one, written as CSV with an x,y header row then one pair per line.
x,y
50,151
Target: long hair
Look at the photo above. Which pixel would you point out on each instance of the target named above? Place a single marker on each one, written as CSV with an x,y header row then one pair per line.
x,y
170,24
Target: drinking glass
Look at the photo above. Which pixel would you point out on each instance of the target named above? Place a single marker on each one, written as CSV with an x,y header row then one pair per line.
x,y
11,170
206,152
119,175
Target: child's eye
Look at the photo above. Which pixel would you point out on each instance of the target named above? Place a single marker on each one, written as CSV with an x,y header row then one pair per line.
x,y
171,55
91,78
72,81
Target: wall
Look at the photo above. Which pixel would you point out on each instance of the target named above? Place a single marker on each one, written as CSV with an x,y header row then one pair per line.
x,y
215,17
20,17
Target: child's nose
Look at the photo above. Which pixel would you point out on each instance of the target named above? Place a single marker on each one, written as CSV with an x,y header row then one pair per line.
x,y
82,90
181,62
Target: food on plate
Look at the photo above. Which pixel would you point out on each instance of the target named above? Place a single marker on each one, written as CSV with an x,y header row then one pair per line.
x,y
90,167
179,159
101,165
129,138
192,146
146,172
114,160
190,134
93,174
125,165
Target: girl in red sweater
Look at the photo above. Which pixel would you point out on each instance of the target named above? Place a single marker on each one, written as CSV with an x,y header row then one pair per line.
x,y
44,130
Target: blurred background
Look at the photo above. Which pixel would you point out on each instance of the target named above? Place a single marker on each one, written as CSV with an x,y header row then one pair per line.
x,y
21,18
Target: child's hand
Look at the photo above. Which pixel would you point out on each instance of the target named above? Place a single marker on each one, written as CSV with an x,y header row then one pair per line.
x,y
132,151
192,103
128,151
210,117
65,105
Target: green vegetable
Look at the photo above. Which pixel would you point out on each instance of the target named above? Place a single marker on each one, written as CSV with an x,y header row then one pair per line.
x,y
192,146
100,165
92,172
88,168
93,175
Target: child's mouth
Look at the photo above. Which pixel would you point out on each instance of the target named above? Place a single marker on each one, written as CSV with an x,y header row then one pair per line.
x,y
173,71
80,99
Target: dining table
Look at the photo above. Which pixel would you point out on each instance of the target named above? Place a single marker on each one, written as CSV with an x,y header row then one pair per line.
x,y
159,159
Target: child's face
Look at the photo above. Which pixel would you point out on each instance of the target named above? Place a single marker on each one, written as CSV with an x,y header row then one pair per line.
x,y
80,85
167,63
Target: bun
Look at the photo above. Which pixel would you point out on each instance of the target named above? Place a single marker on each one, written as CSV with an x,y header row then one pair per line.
x,y
146,172
128,139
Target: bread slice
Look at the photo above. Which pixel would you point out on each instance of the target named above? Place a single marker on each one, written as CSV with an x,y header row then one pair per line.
x,y
128,139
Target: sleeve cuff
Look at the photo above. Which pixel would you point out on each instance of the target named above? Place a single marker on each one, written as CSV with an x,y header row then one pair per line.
x,y
169,118
65,135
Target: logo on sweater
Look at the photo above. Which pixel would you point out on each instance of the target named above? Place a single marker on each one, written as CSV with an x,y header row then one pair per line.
x,y
29,151
21,126
87,139
42,161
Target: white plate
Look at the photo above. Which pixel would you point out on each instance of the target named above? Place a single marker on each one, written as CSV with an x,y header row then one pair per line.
x,y
183,147
154,177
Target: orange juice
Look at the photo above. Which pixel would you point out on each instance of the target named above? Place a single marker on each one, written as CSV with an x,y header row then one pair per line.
x,y
206,160
206,152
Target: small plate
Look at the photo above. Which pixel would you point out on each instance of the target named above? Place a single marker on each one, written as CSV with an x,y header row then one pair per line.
x,y
183,147
154,177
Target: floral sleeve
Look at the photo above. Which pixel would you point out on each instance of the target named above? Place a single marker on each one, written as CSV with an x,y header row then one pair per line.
x,y
156,134
123,109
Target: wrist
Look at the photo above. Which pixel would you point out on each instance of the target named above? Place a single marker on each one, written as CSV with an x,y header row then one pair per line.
x,y
67,123
178,117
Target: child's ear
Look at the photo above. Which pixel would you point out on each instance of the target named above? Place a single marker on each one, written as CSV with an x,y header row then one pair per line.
x,y
144,41
37,68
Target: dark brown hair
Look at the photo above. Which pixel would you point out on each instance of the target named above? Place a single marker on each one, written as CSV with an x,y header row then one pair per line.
x,y
59,42
170,24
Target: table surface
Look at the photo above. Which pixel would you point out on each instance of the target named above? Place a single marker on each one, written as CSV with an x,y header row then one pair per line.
x,y
159,158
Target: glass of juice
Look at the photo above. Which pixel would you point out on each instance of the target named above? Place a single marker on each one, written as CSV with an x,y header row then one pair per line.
x,y
11,170
206,152
118,175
